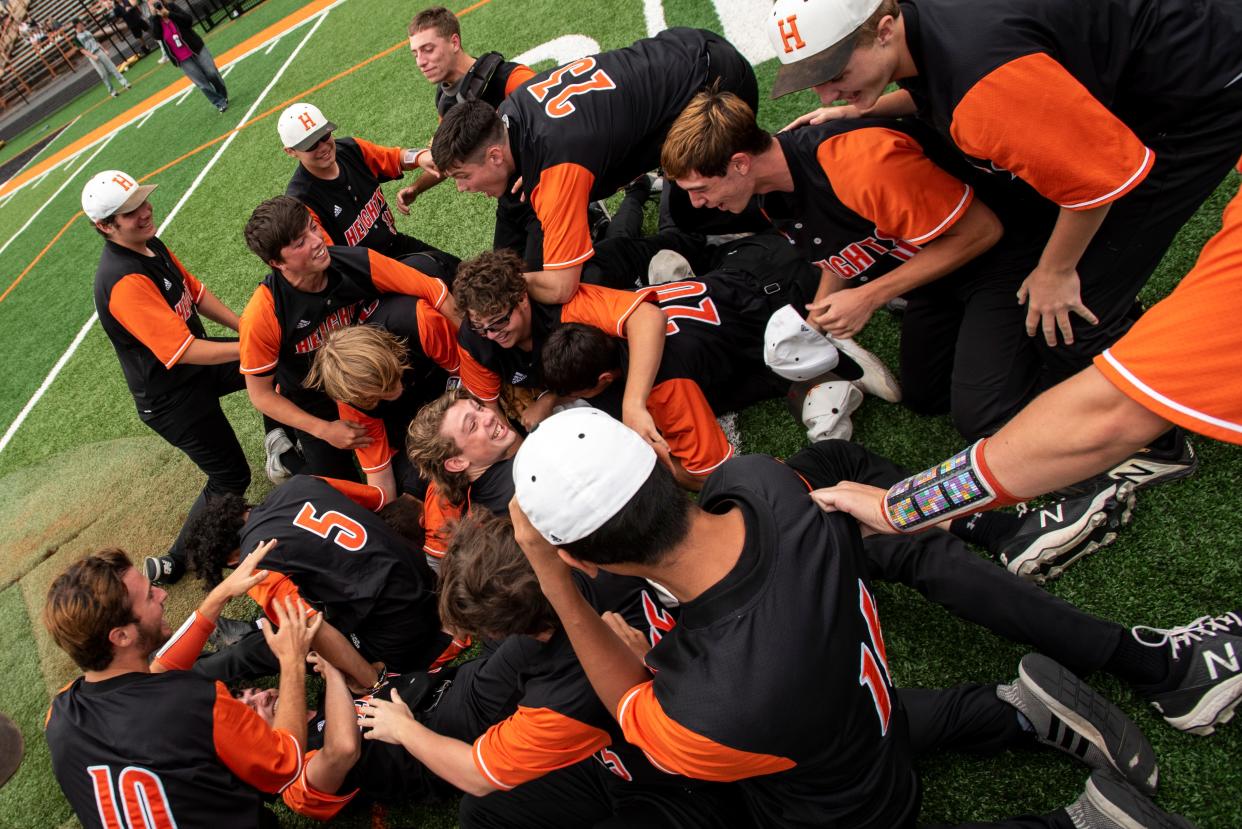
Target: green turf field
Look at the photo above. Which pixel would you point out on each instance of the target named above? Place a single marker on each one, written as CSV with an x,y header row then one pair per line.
x,y
80,471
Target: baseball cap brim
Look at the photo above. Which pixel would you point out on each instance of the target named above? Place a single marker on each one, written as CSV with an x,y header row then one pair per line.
x,y
136,198
820,67
313,138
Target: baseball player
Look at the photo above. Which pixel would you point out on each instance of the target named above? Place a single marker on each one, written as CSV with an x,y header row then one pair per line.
x,y
337,555
338,179
580,132
869,198
505,330
746,562
1126,147
313,289
380,381
130,741
149,305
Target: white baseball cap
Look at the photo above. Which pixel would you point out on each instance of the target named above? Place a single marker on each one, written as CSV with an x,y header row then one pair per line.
x,y
302,125
794,350
112,192
814,39
577,470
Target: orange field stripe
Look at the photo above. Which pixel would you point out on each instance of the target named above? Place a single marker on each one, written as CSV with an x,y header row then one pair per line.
x,y
43,252
279,27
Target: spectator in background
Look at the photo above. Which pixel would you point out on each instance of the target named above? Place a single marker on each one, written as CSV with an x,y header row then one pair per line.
x,y
131,13
90,49
188,52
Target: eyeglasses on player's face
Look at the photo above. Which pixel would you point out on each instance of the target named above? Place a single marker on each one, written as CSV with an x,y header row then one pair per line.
x,y
495,326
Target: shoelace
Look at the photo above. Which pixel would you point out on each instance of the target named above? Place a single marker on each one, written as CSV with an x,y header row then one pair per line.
x,y
1195,631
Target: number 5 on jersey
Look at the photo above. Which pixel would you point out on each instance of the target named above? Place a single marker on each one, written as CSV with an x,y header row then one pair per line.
x,y
873,670
560,105
350,535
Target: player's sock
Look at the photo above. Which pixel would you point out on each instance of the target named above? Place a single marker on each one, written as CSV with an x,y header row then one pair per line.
x,y
1136,663
985,529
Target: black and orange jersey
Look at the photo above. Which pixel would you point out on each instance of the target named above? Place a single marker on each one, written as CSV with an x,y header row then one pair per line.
x,y
485,365
866,196
147,307
434,362
346,562
282,327
351,209
168,749
737,661
1064,94
492,491
490,78
559,720
582,131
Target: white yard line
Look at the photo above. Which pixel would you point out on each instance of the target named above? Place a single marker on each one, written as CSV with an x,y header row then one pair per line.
x,y
77,341
269,49
146,118
35,215
224,73
183,96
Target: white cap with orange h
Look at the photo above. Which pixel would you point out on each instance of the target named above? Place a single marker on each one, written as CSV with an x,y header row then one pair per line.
x,y
814,39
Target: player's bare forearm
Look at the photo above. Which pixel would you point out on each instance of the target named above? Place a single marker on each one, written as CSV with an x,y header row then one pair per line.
x,y
332,645
386,481
681,476
342,744
263,396
553,287
213,309
1097,426
449,759
210,353
970,236
892,105
291,713
1073,231
644,331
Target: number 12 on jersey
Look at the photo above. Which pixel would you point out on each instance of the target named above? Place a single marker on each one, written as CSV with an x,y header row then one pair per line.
x,y
873,669
560,105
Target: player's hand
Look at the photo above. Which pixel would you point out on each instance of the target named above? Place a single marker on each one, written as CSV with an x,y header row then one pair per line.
x,y
383,720
842,313
538,550
426,164
632,637
516,188
406,197
640,420
538,411
344,434
239,582
822,115
298,625
865,503
1050,297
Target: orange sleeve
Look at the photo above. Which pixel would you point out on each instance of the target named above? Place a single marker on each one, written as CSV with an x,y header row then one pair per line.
x,y
438,338
532,743
606,308
267,758
478,379
689,426
259,331
138,305
392,277
383,161
520,75
560,201
1034,119
276,587
183,647
319,228
308,801
364,495
438,513
675,749
191,281
883,176
378,455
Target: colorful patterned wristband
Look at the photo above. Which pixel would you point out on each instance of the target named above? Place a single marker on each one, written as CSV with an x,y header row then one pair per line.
x,y
958,486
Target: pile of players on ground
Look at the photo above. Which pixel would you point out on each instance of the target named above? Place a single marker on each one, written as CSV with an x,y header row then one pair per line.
x,y
531,419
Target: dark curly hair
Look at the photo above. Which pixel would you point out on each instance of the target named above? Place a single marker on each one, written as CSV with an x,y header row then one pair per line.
x,y
213,535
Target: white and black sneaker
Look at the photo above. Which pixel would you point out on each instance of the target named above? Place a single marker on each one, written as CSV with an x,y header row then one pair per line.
x,y
1068,714
1150,466
1205,681
1053,536
1110,803
163,570
275,444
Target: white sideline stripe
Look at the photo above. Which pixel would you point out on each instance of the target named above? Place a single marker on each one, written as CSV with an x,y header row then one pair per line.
x,y
77,341
653,16
142,115
35,215
35,157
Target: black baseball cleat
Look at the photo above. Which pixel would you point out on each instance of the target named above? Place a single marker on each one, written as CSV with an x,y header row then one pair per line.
x,y
1204,685
1156,465
1054,536
598,219
163,570
1109,802
1068,714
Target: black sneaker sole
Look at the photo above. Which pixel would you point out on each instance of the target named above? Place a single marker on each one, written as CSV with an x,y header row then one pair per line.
x,y
1082,718
1122,511
1214,708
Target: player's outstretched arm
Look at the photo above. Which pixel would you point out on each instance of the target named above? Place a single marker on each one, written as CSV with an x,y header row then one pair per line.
x,y
644,331
290,644
333,646
210,306
892,105
340,433
342,744
447,758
